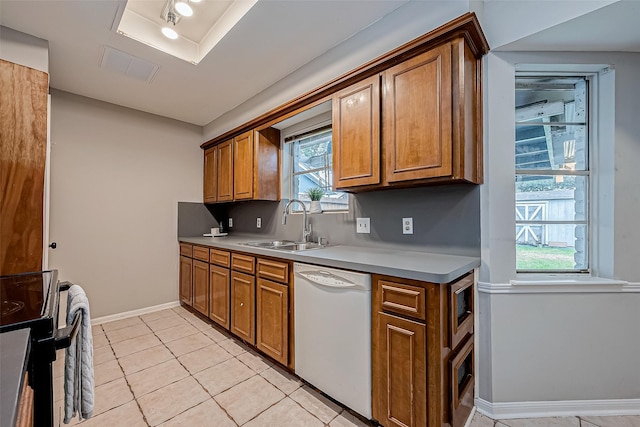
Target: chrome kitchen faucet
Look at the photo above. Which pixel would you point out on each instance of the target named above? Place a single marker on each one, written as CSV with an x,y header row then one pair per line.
x,y
306,228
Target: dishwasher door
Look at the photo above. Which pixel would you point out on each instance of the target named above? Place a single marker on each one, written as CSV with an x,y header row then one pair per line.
x,y
333,333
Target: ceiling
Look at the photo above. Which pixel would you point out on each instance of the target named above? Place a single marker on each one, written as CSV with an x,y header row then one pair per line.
x,y
275,38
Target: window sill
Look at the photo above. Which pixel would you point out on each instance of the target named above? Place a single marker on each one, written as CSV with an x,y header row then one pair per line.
x,y
563,280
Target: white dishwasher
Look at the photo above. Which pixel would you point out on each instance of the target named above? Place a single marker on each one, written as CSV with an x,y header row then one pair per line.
x,y
333,333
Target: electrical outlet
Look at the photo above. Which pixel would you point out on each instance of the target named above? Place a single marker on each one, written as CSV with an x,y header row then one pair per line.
x,y
407,225
230,222
363,225
258,222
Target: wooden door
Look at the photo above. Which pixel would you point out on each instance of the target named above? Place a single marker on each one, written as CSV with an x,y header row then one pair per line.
x,y
272,319
201,286
243,152
219,295
186,270
23,132
210,175
399,372
225,171
243,296
417,140
356,134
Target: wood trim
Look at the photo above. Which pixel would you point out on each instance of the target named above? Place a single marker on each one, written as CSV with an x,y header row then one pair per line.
x,y
466,26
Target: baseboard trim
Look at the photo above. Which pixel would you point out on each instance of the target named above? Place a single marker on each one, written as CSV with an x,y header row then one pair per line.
x,y
547,287
133,313
509,410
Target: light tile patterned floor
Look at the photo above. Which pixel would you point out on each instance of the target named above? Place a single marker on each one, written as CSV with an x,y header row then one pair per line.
x,y
171,369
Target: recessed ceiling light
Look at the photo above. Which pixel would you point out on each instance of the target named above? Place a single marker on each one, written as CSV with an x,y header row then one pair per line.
x,y
196,1
183,8
169,33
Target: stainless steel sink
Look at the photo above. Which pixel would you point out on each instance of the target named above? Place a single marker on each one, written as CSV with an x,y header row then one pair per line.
x,y
270,244
286,245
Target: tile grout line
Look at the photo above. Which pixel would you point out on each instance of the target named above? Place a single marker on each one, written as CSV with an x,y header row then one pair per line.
x,y
126,380
190,375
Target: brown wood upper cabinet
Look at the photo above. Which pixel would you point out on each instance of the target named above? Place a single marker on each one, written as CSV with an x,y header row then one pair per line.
x,y
225,171
356,134
210,184
430,121
246,167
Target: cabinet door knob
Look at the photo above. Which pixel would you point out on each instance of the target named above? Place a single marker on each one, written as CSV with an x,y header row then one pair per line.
x,y
53,245
241,304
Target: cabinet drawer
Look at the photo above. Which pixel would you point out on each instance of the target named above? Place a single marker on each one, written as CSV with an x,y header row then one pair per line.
x,y
243,263
462,376
403,299
186,250
274,270
218,257
201,253
460,310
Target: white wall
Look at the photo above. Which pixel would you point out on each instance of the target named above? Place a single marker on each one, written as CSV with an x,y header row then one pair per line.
x,y
404,24
24,49
544,342
116,177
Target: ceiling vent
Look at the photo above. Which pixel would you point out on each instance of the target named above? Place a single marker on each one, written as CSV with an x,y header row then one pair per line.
x,y
131,66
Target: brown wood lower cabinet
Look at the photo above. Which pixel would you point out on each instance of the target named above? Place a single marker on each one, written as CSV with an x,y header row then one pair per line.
x,y
422,352
272,313
186,267
399,371
201,286
219,295
243,296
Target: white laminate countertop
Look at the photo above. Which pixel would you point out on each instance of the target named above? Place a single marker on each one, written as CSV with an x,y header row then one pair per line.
x,y
428,267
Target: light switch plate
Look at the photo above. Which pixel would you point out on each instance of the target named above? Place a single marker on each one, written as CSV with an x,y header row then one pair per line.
x,y
230,222
407,225
258,222
363,225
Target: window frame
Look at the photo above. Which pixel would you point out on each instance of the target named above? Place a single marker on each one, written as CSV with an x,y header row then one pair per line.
x,y
288,170
591,121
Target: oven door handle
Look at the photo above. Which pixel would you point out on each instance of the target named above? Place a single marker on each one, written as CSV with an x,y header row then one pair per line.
x,y
65,335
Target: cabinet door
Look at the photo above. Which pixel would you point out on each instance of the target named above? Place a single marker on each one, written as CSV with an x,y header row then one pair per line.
x,y
243,166
186,266
201,286
219,295
399,372
225,171
356,134
243,296
272,319
210,175
417,140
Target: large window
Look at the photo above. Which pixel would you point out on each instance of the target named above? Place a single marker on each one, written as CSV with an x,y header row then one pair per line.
x,y
552,174
311,167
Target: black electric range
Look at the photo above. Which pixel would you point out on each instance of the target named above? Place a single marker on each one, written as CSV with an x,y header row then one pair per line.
x,y
32,300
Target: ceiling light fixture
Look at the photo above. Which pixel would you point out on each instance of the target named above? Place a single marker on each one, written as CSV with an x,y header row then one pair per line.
x,y
168,31
183,8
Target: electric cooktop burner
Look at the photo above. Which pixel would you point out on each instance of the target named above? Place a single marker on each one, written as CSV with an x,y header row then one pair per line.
x,y
23,297
10,307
